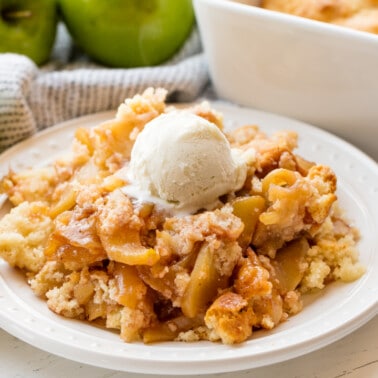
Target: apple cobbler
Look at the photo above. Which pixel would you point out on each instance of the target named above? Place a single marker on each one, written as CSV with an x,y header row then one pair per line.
x,y
96,253
356,14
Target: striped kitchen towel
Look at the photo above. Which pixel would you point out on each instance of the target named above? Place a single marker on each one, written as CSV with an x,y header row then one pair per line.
x,y
33,98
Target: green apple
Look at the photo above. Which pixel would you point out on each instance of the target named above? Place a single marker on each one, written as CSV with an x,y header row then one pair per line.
x,y
28,27
128,33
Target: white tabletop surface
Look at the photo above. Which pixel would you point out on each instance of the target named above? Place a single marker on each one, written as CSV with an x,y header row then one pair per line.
x,y
354,356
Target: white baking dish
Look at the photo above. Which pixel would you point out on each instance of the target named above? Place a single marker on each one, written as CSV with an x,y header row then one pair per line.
x,y
320,73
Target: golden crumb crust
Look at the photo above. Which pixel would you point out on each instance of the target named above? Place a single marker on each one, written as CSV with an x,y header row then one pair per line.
x,y
356,14
23,235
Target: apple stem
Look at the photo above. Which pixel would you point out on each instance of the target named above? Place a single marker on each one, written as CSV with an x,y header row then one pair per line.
x,y
17,14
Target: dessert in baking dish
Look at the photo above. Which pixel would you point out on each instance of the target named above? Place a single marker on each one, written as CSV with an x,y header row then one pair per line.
x,y
357,14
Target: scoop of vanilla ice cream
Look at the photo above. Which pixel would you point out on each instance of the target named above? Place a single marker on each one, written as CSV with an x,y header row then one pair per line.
x,y
184,161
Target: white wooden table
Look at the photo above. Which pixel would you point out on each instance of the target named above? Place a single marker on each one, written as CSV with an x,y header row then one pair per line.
x,y
355,356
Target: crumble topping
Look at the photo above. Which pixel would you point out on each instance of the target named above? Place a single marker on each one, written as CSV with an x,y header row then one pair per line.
x,y
95,254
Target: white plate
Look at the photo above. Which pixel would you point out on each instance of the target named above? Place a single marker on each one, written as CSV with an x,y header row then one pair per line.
x,y
327,316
